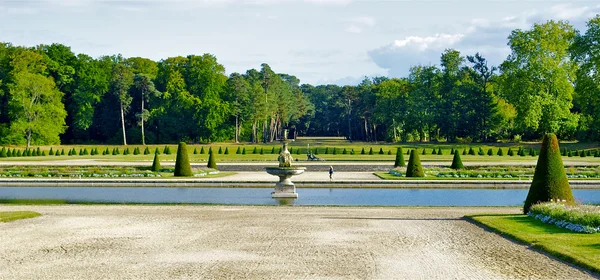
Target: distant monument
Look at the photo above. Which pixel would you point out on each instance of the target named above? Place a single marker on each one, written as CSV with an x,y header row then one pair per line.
x,y
285,188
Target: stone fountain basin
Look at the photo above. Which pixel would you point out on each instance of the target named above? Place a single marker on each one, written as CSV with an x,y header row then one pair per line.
x,y
278,171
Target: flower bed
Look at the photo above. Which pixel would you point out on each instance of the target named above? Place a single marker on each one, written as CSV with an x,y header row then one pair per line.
x,y
90,172
579,218
500,172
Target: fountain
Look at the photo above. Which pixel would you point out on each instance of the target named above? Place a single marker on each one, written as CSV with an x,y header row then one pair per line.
x,y
285,188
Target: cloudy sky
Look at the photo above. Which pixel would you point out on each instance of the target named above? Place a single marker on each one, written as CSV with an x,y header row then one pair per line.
x,y
319,41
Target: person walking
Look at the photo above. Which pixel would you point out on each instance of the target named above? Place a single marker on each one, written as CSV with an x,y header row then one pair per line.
x,y
330,172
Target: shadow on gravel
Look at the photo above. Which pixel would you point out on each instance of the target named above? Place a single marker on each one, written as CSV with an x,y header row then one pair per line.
x,y
393,219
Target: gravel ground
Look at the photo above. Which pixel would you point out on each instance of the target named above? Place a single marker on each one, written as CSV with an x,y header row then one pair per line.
x,y
196,242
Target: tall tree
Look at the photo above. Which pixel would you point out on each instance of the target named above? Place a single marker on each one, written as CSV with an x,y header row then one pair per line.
x,y
121,81
538,77
145,87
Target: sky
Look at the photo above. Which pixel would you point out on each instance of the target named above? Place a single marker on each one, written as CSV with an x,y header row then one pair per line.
x,y
318,41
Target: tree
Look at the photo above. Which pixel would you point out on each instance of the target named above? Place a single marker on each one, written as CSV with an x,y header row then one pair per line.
x,y
238,91
414,168
145,86
182,162
538,77
399,158
549,180
156,164
457,162
36,109
121,81
212,163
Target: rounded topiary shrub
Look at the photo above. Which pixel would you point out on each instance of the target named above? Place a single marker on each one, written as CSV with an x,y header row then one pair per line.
x,y
457,162
156,164
550,179
182,162
399,158
414,168
212,162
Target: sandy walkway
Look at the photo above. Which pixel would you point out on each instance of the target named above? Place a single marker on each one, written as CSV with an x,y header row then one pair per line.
x,y
87,242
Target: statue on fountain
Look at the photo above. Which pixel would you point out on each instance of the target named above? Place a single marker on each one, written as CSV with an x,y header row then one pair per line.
x,y
285,158
285,188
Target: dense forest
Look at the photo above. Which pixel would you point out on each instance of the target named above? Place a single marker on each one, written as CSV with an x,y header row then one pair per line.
x,y
550,82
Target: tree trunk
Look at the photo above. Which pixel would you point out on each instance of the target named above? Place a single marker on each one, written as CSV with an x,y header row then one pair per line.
x,y
254,133
366,130
123,125
142,116
28,137
265,131
237,129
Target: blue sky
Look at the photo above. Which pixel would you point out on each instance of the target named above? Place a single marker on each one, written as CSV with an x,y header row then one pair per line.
x,y
319,41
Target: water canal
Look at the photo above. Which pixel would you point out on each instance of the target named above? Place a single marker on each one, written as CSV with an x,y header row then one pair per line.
x,y
262,196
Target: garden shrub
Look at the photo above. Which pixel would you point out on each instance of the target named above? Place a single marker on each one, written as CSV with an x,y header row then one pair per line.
x,y
146,151
334,150
596,153
244,151
9,152
44,153
316,151
433,151
457,162
471,151
272,150
452,151
19,153
28,152
212,162
195,151
166,150
226,150
182,162
136,151
480,151
202,150
464,152
389,152
363,151
3,152
238,151
500,152
156,164
327,150
381,151
85,152
62,152
156,151
38,152
261,151
344,151
408,152
550,179
582,154
414,168
564,152
589,153
490,152
439,152
126,151
297,151
399,158
254,151
371,151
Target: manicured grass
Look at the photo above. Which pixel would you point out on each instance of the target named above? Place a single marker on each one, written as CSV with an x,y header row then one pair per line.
x,y
17,215
388,176
577,248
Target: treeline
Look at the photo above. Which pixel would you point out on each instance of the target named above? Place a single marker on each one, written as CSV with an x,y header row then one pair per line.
x,y
549,83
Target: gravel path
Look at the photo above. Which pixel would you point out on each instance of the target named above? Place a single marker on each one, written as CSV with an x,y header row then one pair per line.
x,y
196,242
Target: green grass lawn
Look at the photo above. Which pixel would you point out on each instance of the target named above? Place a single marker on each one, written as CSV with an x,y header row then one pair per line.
x,y
577,248
17,215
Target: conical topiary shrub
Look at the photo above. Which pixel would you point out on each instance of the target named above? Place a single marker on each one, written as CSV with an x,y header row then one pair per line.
x,y
226,150
238,151
157,151
439,152
212,162
464,153
371,151
490,152
414,168
362,152
202,150
146,151
195,151
500,152
471,151
399,158
434,151
182,162
381,151
244,151
549,180
457,162
156,164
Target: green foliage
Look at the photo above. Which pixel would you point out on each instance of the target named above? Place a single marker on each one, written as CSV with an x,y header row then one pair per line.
x,y
490,152
226,150
326,150
389,152
244,151
464,152
371,151
414,168
424,152
195,151
202,150
254,151
146,151
167,150
439,152
220,151
334,150
381,151
38,152
500,152
156,151
62,152
480,151
273,150
582,154
433,151
3,152
126,151
471,151
362,152
457,162
212,162
262,152
344,151
182,162
136,151
550,179
19,153
238,151
399,158
51,152
156,164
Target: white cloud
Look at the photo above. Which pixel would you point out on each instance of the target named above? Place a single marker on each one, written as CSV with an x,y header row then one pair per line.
x,y
358,24
353,29
478,35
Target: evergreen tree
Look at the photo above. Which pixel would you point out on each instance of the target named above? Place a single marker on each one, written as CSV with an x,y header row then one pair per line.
x,y
457,162
334,150
363,151
490,152
414,168
156,164
500,152
166,150
226,150
582,154
371,151
452,151
182,162
157,151
244,151
480,152
389,152
550,179
38,152
195,151
326,150
238,151
399,158
146,151
212,162
202,150
19,153
381,151
62,152
254,151
424,152
9,152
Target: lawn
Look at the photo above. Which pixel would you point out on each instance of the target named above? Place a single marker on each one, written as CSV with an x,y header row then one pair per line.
x,y
17,215
577,248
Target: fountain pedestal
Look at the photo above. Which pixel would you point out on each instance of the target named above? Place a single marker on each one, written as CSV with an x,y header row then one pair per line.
x,y
285,188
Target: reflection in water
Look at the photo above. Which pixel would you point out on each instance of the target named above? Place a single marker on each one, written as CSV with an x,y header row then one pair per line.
x,y
285,201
